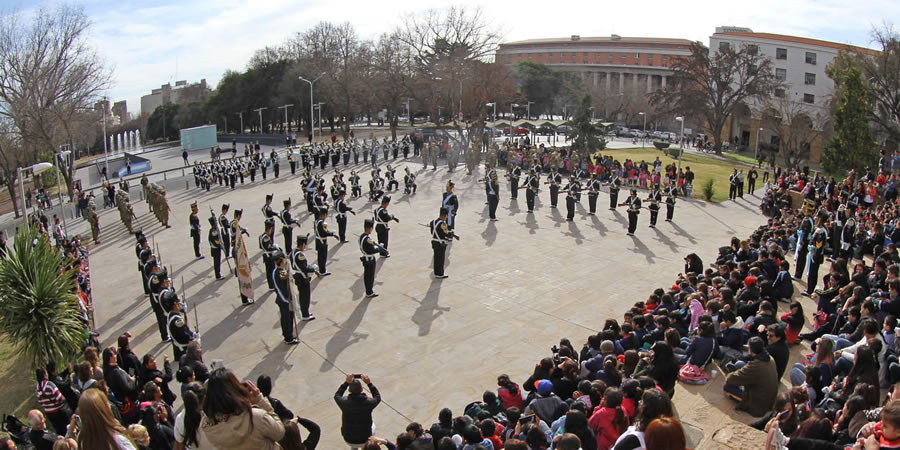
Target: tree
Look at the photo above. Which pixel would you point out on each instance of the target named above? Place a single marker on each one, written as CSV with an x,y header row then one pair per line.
x,y
48,74
585,137
161,123
852,146
39,312
710,86
795,130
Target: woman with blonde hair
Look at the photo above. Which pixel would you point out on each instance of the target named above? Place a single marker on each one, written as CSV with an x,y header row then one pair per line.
x,y
99,429
92,356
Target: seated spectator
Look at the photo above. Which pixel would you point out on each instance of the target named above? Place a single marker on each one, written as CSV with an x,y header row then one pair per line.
x,y
701,349
546,405
731,337
608,421
755,383
472,437
778,348
509,393
569,441
444,426
236,415
40,438
661,366
654,403
793,320
665,433
139,435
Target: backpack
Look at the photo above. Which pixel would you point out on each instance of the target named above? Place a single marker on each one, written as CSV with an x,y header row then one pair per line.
x,y
692,374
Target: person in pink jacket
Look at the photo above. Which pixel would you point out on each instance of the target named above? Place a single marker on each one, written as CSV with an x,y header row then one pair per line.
x,y
609,421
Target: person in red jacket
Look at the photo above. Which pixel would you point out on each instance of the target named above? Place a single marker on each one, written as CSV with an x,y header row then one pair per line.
x,y
509,393
609,421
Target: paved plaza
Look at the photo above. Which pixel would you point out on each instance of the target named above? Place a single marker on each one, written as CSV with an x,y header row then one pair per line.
x,y
516,287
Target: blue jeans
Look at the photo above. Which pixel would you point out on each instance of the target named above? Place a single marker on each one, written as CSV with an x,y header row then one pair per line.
x,y
797,374
839,342
842,365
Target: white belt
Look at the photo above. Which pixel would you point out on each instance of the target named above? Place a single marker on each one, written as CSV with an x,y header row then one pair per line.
x,y
368,256
442,241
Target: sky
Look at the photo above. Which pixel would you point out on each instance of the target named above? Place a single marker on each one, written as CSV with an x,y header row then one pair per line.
x,y
149,43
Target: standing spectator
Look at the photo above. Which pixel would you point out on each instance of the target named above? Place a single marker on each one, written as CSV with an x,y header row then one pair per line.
x,y
99,429
237,416
264,383
193,357
123,387
292,439
184,156
52,401
126,358
356,409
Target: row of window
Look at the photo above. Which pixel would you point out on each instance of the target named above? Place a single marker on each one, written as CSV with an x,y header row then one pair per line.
x,y
807,98
780,53
650,56
809,79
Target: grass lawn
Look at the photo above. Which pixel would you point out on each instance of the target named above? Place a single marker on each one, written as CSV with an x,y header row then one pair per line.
x,y
704,168
17,379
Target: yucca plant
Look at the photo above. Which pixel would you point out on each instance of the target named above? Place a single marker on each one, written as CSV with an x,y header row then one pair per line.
x,y
39,312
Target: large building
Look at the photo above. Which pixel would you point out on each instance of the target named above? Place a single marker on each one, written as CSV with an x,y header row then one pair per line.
x,y
120,110
181,93
615,63
800,64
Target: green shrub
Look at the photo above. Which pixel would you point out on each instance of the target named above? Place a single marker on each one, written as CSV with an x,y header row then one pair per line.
x,y
708,189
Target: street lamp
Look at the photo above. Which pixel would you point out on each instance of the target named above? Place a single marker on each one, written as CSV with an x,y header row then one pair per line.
x,y
241,115
312,129
105,155
319,107
644,132
439,115
757,143
59,159
409,112
286,123
494,117
35,169
528,110
260,110
681,150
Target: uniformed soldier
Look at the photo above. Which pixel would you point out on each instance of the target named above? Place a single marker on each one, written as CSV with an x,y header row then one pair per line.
x,y
489,173
215,247
288,223
382,221
654,198
593,186
531,186
263,165
369,248
848,236
267,211
283,298
440,237
493,194
355,189
322,235
309,191
235,227
195,230
177,324
292,161
671,192
268,247
634,208
156,279
275,162
319,201
409,180
225,231
614,185
572,190
554,180
451,202
376,186
816,255
513,174
341,209
142,249
302,272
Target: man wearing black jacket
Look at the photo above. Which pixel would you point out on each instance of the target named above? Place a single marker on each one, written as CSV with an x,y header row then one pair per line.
x,y
356,409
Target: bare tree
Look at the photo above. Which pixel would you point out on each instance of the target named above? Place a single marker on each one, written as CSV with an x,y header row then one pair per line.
x,y
48,72
796,128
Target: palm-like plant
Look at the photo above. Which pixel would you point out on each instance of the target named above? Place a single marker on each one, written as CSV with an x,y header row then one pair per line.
x,y
39,312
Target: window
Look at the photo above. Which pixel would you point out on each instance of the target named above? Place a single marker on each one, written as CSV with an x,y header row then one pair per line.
x,y
550,54
779,93
724,46
752,49
811,58
622,55
809,79
780,74
780,53
809,98
665,57
637,55
611,54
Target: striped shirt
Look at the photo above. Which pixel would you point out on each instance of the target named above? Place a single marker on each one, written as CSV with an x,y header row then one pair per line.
x,y
49,396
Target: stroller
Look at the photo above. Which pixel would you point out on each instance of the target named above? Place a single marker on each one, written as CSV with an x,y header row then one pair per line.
x,y
17,431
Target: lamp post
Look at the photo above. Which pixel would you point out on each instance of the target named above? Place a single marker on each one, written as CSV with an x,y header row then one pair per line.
x,y
319,107
644,132
494,117
409,112
286,123
312,129
757,143
512,116
528,110
260,110
105,155
35,169
59,160
681,150
241,115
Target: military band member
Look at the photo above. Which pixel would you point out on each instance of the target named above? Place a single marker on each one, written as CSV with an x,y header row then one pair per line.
x,y
451,202
215,247
355,189
157,279
292,161
654,198
514,173
319,201
225,231
614,185
322,235
376,186
554,180
284,298
275,162
266,244
341,209
302,272
232,174
369,248
572,190
531,187
309,190
593,186
236,228
335,157
816,255
177,324
440,237
848,237
382,221
634,208
346,155
251,167
288,222
409,180
493,194
489,173
263,165
671,192
195,230
267,211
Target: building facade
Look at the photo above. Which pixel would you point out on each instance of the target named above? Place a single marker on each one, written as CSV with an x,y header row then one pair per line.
x,y
181,93
120,110
615,63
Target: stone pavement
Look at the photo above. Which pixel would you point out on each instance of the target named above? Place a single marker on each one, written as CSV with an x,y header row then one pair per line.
x,y
515,288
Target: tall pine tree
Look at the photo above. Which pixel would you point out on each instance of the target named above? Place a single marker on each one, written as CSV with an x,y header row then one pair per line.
x,y
852,146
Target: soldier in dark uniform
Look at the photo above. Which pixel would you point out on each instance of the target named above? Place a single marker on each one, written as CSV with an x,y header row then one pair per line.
x,y
335,157
671,192
409,180
382,221
302,272
177,323
319,201
554,180
451,202
593,186
142,248
531,187
251,166
292,161
341,209
369,248
157,279
263,165
309,191
654,198
440,237
267,211
634,208
572,190
514,173
355,189
803,239
489,173
346,155
215,247
225,231
284,298
275,163
287,227
493,195
322,235
232,174
195,230
816,256
268,247
614,185
391,175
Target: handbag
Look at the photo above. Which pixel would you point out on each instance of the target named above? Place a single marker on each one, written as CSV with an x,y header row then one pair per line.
x,y
692,374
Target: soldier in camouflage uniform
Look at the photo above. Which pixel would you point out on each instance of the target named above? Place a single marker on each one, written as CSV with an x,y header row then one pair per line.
x,y
126,213
90,214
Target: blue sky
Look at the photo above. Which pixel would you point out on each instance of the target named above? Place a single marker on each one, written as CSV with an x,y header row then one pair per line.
x,y
145,42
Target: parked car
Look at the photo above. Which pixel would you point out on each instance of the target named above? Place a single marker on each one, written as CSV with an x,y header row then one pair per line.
x,y
544,131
